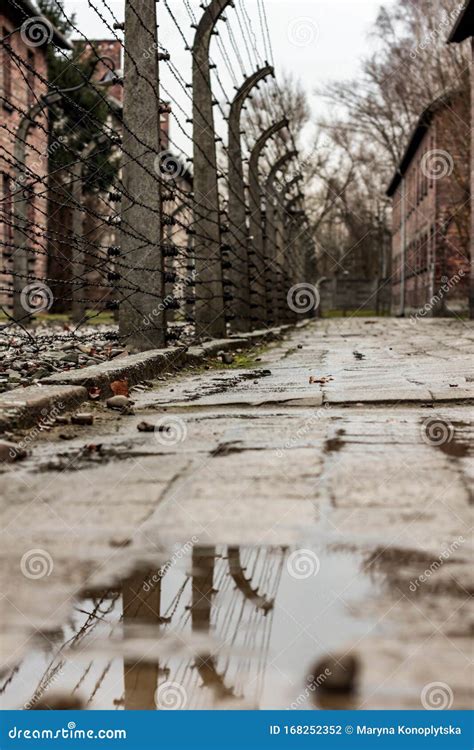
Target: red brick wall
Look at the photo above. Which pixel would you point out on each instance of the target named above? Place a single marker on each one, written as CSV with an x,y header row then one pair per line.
x,y
436,219
19,101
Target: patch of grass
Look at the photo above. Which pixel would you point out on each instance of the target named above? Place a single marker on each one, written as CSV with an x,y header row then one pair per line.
x,y
243,361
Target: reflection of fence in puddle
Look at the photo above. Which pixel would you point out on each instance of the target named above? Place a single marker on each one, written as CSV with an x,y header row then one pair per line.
x,y
99,620
225,601
229,597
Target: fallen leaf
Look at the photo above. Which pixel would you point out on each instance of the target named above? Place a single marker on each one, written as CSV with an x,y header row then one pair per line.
x,y
120,388
321,381
92,448
94,392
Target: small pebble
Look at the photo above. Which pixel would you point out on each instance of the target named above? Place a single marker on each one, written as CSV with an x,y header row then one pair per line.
x,y
71,357
145,427
119,402
83,418
337,673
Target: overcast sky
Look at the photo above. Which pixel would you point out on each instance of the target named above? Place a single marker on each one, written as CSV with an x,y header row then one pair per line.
x,y
317,40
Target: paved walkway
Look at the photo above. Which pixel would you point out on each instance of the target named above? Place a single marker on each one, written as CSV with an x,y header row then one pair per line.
x,y
324,489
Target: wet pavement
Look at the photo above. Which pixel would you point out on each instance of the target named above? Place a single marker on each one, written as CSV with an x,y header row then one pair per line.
x,y
310,508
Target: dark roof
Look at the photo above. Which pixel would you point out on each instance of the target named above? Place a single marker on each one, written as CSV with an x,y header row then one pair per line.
x,y
464,26
420,130
25,9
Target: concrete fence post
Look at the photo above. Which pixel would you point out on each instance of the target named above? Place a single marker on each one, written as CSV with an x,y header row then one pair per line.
x,y
291,249
237,203
142,319
141,601
209,312
273,254
258,305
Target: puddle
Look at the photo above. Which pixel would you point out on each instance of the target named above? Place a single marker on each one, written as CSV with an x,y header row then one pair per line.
x,y
453,438
216,627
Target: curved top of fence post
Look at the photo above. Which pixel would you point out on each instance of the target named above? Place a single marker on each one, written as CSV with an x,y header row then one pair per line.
x,y
261,142
248,85
279,164
208,20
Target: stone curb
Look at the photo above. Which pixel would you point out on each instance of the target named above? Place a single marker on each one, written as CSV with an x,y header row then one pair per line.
x,y
26,407
38,404
135,368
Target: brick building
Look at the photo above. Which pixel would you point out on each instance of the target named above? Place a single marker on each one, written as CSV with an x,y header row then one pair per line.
x,y
25,35
103,234
431,216
100,233
462,31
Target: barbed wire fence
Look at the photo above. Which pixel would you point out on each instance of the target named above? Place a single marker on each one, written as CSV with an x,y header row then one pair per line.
x,y
180,242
